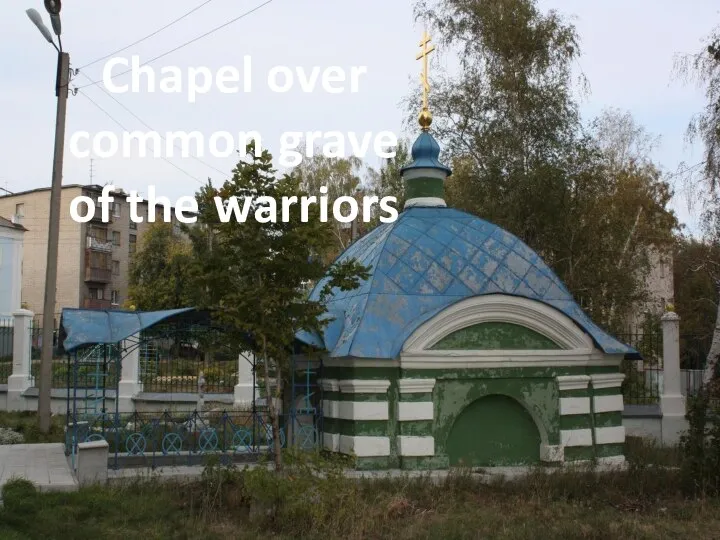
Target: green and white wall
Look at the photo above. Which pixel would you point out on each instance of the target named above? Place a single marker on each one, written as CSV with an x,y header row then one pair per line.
x,y
491,380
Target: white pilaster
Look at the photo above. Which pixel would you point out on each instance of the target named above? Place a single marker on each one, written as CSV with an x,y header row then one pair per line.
x,y
129,386
243,392
672,402
21,379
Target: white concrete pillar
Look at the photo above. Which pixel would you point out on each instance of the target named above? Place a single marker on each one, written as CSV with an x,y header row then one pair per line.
x,y
201,386
21,378
92,462
672,402
129,385
243,394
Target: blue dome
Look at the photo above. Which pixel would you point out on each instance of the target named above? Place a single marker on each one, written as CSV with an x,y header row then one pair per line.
x,y
425,261
425,154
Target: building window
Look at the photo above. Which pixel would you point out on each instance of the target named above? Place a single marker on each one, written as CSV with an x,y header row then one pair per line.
x,y
20,209
133,244
116,238
133,225
98,233
115,297
96,294
99,260
116,209
116,268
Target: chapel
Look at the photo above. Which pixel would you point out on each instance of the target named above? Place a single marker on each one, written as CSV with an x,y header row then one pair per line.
x,y
462,348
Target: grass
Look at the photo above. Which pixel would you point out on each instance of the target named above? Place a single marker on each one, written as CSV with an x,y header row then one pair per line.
x,y
642,502
27,424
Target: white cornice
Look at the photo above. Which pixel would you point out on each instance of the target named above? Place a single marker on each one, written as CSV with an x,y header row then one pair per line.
x,y
425,202
573,382
505,359
607,380
416,386
364,386
531,314
361,362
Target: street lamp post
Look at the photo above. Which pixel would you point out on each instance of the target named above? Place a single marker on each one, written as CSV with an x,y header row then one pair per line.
x,y
62,83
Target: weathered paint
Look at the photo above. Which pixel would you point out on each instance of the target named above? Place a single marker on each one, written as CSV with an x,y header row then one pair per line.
x,y
424,187
483,416
426,261
535,391
492,431
495,335
539,397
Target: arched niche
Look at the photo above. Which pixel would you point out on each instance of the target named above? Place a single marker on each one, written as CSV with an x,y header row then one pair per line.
x,y
494,335
495,430
499,330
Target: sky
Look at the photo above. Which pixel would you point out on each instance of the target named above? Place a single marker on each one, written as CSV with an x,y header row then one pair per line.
x,y
628,51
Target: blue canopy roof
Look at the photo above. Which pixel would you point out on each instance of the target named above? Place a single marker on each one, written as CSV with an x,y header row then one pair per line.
x,y
92,326
426,260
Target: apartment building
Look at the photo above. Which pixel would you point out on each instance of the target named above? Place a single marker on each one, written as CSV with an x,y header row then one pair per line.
x,y
94,257
11,257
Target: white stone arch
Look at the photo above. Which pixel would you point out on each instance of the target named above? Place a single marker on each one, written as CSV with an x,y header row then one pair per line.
x,y
576,346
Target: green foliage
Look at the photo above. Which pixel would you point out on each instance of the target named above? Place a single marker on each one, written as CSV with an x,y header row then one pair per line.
x,y
341,177
26,424
701,444
696,270
20,497
589,201
704,69
388,182
643,453
254,274
162,270
309,500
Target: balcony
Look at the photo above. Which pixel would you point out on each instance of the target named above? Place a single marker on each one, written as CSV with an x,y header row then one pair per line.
x,y
97,217
94,303
99,245
98,275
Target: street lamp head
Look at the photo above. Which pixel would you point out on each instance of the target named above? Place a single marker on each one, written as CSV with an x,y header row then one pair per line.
x,y
53,7
57,27
38,22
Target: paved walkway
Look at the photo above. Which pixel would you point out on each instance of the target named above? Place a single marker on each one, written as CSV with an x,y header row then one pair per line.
x,y
45,465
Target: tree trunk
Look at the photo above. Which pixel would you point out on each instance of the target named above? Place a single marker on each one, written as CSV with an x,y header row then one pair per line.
x,y
277,444
272,412
712,357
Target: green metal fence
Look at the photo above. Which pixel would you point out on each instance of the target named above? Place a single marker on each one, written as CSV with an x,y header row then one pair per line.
x,y
643,377
176,366
59,363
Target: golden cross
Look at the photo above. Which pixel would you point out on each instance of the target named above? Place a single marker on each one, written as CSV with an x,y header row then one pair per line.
x,y
423,54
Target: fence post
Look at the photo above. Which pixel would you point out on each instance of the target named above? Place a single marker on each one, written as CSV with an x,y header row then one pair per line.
x,y
21,378
243,394
129,385
672,402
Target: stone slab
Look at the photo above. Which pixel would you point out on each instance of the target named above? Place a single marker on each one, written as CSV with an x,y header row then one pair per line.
x,y
43,464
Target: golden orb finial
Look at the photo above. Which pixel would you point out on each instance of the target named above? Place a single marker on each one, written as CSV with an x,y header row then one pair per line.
x,y
425,119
